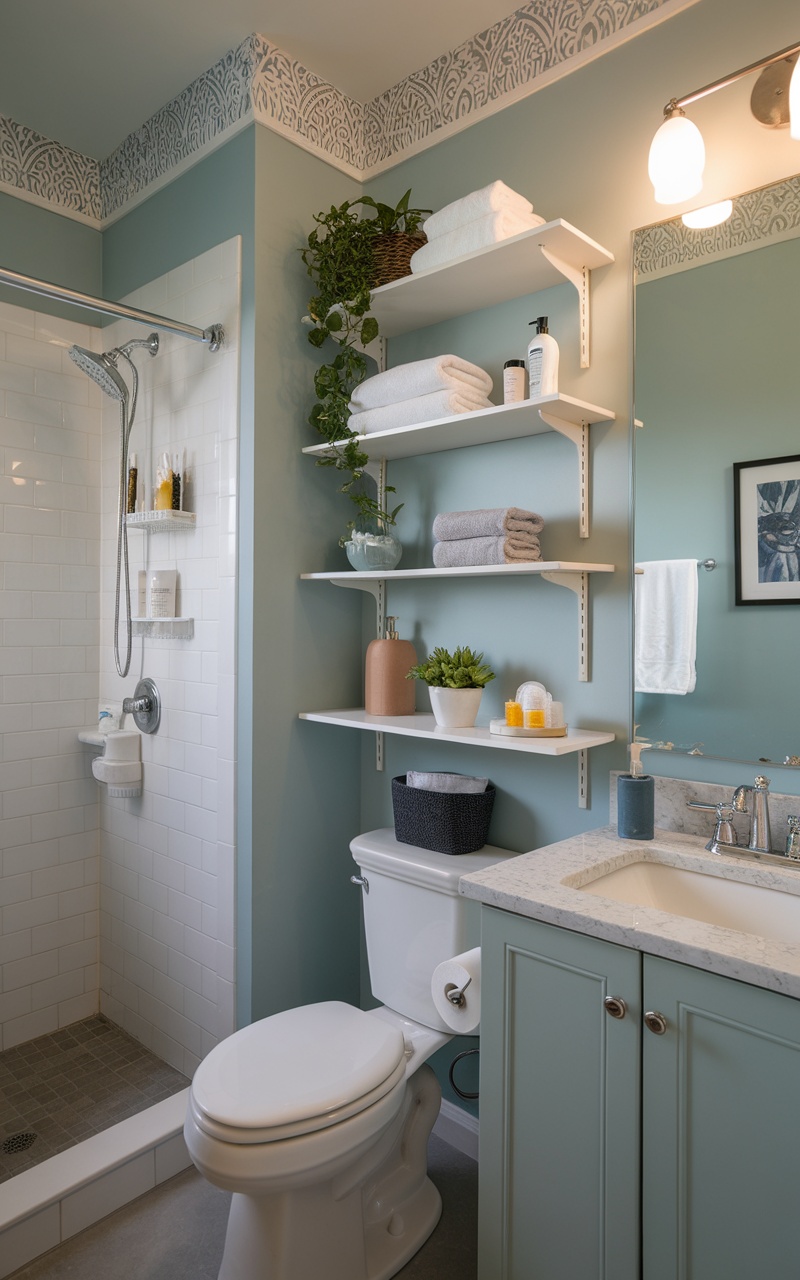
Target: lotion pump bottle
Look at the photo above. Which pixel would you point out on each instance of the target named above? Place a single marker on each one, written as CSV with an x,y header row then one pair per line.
x,y
542,361
386,690
636,799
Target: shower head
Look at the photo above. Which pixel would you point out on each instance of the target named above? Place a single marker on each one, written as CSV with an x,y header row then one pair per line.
x,y
102,368
102,371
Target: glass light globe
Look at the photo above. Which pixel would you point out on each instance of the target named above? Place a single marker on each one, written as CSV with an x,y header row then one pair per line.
x,y
711,215
676,162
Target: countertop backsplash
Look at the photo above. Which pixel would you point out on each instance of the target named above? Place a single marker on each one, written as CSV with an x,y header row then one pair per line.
x,y
672,813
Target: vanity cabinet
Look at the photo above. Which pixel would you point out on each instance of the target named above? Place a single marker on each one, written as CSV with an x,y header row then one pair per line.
x,y
598,1132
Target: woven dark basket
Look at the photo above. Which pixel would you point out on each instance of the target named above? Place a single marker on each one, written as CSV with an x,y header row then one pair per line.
x,y
447,822
391,255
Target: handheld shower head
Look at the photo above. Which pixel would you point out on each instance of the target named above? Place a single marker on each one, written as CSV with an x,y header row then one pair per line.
x,y
101,370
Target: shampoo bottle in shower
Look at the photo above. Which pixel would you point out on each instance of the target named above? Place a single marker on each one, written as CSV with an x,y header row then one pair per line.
x,y
542,361
386,690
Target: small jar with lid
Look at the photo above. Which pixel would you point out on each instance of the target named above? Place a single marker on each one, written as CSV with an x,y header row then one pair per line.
x,y
513,381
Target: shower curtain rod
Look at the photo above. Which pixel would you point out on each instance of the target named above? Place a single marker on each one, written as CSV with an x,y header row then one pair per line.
x,y
213,335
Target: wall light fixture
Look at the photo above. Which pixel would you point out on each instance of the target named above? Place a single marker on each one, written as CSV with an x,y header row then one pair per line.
x,y
677,152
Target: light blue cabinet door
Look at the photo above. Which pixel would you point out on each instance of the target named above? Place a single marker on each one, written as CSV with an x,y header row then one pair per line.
x,y
721,1118
560,1103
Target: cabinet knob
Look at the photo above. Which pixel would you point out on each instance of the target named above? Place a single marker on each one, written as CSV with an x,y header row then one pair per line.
x,y
655,1022
615,1006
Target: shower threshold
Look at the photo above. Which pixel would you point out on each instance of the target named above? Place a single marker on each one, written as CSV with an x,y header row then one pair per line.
x,y
51,1200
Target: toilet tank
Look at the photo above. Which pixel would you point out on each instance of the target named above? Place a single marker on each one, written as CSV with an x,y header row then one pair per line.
x,y
414,917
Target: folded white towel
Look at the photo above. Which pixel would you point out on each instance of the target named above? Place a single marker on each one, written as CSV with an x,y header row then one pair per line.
x,y
472,236
473,551
420,378
440,404
485,523
451,782
666,626
495,198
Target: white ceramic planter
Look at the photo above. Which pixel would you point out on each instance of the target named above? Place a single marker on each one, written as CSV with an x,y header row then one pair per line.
x,y
455,708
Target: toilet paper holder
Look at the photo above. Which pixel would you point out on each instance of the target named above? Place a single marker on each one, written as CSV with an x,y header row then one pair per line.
x,y
456,994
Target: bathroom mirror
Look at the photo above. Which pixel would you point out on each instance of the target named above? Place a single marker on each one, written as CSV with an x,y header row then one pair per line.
x,y
717,331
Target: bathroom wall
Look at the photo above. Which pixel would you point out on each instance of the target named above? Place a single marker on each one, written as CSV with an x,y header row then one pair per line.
x,y
167,859
49,551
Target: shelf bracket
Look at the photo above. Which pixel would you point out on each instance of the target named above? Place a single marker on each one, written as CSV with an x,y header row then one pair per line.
x,y
583,780
579,583
377,589
579,277
578,433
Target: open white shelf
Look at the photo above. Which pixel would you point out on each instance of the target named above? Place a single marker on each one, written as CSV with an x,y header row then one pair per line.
x,y
353,578
523,264
423,725
483,426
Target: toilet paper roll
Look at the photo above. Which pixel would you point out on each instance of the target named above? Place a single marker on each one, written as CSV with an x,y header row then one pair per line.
x,y
462,971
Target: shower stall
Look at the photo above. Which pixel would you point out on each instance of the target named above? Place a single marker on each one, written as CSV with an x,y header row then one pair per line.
x,y
117,907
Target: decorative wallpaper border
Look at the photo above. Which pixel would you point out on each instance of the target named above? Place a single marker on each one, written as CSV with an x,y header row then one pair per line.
x,y
769,213
257,81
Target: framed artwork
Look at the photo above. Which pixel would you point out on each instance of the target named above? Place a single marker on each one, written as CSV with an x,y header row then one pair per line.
x,y
766,516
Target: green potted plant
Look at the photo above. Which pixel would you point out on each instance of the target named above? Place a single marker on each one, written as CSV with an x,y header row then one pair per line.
x,y
345,257
455,683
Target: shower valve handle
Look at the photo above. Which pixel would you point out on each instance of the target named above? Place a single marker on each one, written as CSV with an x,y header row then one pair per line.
x,y
144,706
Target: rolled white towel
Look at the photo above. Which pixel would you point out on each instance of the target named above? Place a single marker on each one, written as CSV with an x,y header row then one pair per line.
x,y
486,522
473,551
404,413
420,378
472,236
495,198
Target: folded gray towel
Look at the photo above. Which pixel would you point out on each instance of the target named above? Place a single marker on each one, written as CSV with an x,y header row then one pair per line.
x,y
451,782
485,523
474,551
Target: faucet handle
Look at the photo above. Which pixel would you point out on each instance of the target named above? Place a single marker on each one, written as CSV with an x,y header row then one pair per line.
x,y
724,831
762,783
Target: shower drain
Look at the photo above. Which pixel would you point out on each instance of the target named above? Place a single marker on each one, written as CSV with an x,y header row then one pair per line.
x,y
18,1142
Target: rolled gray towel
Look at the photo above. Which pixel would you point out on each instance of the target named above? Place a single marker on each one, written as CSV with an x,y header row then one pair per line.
x,y
485,523
451,782
473,551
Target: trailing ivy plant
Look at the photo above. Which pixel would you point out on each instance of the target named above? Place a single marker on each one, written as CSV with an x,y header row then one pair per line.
x,y
339,259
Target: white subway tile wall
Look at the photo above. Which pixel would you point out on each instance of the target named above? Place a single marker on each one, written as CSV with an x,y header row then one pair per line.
x,y
165,861
50,442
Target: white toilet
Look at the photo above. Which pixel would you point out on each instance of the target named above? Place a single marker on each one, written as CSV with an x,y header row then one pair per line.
x,y
318,1118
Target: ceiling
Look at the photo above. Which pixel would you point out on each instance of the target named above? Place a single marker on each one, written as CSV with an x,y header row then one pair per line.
x,y
87,73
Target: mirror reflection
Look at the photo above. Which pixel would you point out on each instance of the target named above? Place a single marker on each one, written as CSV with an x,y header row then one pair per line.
x,y
716,385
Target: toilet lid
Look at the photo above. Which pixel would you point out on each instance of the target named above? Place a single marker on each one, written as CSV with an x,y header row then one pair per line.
x,y
298,1066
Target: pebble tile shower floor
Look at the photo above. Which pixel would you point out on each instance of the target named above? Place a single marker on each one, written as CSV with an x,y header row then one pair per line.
x,y
61,1088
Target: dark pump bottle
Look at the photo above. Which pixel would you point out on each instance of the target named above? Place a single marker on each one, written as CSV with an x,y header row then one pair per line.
x,y
636,793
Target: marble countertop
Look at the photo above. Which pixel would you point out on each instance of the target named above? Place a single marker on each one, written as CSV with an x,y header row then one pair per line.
x,y
545,885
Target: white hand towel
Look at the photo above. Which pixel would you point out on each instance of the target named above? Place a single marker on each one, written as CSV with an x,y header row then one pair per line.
x,y
474,551
666,626
472,236
485,523
496,198
420,378
405,413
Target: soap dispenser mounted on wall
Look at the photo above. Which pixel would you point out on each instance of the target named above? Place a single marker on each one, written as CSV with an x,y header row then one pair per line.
x,y
388,661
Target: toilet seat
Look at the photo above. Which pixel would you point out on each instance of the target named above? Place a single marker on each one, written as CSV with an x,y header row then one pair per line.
x,y
296,1072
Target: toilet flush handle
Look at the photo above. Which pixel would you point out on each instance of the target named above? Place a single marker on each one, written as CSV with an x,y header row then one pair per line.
x,y
362,880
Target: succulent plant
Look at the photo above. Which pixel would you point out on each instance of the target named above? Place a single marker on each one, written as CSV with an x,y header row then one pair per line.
x,y
461,669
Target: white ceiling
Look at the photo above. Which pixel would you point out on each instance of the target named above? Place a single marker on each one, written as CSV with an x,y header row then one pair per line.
x,y
88,72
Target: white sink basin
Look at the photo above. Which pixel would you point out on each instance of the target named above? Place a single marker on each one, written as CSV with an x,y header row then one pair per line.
x,y
732,904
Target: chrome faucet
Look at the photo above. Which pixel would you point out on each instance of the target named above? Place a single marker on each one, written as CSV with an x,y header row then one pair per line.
x,y
760,835
725,840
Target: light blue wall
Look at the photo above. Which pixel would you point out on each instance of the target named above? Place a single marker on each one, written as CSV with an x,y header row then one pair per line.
x,y
37,242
